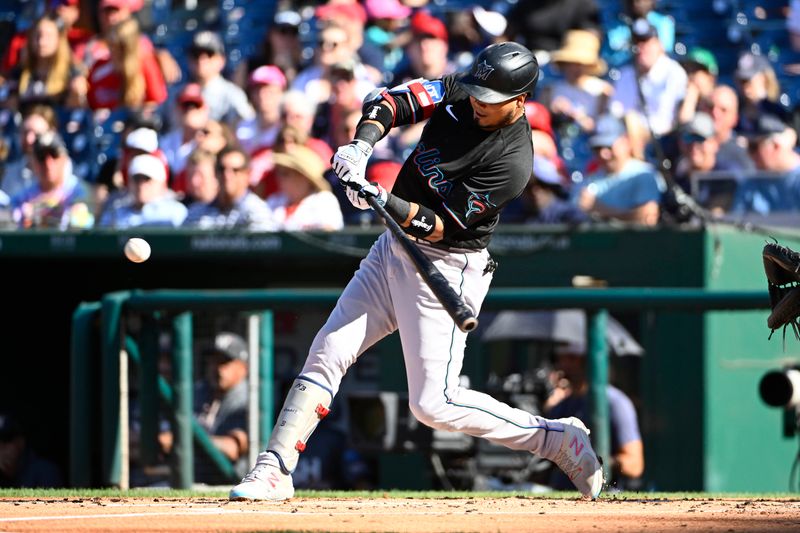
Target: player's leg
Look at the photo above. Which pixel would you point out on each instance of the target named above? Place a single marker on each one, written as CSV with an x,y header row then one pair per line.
x,y
362,316
434,349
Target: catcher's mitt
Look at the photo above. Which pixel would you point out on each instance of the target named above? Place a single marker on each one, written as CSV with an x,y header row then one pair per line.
x,y
782,266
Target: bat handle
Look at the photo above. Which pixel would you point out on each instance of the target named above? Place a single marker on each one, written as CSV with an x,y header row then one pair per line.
x,y
453,304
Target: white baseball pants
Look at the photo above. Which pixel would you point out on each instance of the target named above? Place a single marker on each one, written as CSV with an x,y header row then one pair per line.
x,y
387,293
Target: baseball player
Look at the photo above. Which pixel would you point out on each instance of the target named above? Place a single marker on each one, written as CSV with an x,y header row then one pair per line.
x,y
474,156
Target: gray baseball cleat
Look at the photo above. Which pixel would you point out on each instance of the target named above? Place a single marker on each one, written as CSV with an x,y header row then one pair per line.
x,y
577,459
266,481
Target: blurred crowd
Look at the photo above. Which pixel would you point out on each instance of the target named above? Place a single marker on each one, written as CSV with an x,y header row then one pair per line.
x,y
208,114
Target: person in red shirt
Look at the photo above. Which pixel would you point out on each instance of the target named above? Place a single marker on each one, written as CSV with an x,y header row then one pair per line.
x,y
47,72
128,78
69,13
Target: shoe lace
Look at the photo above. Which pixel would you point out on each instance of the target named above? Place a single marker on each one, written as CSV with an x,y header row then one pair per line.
x,y
263,463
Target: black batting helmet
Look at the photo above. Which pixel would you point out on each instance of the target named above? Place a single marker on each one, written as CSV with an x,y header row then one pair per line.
x,y
500,72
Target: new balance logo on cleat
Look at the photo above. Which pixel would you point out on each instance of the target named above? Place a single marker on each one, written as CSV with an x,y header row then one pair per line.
x,y
577,459
265,481
576,446
273,479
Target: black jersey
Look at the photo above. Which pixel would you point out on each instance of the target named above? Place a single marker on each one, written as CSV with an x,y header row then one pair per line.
x,y
465,174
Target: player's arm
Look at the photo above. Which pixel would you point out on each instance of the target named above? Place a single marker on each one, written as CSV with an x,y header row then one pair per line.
x,y
385,108
403,105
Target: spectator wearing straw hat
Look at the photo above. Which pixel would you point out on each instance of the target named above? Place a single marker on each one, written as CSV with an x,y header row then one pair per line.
x,y
582,95
304,200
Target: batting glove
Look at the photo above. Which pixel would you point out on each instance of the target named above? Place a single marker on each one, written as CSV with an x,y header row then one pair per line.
x,y
349,163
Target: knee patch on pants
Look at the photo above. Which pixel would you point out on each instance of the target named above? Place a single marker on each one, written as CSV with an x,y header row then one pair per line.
x,y
306,404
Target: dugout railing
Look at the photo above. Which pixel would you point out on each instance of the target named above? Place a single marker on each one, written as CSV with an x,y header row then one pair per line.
x,y
117,348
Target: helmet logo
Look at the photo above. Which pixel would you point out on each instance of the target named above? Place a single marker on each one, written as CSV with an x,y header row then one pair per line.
x,y
483,71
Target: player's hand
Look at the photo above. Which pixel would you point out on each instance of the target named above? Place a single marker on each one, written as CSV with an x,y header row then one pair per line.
x,y
349,163
358,190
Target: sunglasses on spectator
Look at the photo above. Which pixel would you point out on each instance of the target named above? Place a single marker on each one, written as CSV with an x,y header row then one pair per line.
x,y
140,178
329,45
287,29
188,106
753,144
43,154
342,75
222,168
197,53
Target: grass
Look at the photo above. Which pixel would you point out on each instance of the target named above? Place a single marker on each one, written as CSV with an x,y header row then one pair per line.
x,y
216,492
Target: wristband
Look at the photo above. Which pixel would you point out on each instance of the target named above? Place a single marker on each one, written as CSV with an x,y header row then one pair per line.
x,y
423,223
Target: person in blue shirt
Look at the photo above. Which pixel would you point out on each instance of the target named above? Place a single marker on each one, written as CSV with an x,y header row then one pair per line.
x,y
236,206
20,465
624,188
771,145
550,198
149,201
617,49
569,398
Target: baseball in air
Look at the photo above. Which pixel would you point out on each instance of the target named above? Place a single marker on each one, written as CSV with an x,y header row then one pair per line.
x,y
137,250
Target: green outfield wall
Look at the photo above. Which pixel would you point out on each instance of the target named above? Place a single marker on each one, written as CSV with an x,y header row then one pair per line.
x,y
704,425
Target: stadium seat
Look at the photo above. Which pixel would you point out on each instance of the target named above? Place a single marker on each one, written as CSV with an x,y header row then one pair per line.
x,y
76,127
108,133
9,132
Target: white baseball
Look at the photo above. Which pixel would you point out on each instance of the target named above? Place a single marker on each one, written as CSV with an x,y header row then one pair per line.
x,y
137,250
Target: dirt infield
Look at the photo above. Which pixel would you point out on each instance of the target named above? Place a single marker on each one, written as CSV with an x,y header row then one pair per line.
x,y
396,514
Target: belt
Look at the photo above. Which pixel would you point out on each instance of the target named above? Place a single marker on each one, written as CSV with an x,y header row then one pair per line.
x,y
442,246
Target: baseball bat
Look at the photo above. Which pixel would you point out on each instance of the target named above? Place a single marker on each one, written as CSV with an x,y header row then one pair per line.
x,y
452,302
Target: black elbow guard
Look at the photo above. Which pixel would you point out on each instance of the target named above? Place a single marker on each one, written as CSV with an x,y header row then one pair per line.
x,y
380,113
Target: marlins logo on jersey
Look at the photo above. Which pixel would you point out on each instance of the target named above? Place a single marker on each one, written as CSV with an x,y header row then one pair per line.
x,y
478,203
